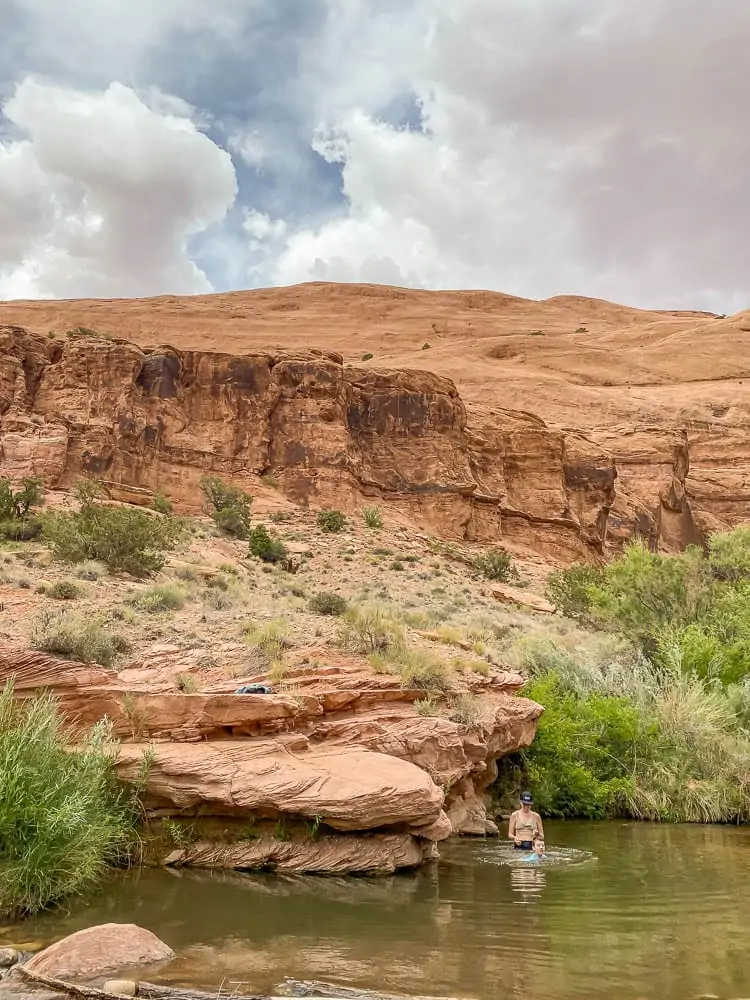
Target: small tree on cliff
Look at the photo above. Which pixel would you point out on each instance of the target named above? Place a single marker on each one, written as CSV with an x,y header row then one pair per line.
x,y
229,506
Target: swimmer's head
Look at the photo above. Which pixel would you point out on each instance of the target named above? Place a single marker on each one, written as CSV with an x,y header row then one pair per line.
x,y
538,845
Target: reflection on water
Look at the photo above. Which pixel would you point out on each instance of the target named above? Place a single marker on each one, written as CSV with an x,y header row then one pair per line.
x,y
623,911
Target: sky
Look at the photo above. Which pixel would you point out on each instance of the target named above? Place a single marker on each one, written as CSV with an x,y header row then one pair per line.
x,y
535,147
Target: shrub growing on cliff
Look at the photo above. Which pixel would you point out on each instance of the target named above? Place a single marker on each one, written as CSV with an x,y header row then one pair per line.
x,y
63,819
331,521
161,504
370,629
497,564
125,539
229,506
265,546
159,599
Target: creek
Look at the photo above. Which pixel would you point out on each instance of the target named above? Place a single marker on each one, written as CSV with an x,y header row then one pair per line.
x,y
624,911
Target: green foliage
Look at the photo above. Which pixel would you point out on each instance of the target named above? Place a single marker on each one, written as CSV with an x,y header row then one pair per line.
x,y
570,590
90,570
71,638
265,546
642,591
229,506
729,555
161,503
331,521
373,518
64,590
63,819
124,539
327,603
367,357
497,564
161,598
17,523
269,638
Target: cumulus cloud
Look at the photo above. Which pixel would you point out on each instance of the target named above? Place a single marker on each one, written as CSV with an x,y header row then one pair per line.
x,y
533,146
100,194
567,146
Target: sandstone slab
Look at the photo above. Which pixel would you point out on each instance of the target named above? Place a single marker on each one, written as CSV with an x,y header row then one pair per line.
x,y
348,789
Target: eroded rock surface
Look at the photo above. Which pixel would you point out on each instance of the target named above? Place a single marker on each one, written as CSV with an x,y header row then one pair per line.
x,y
161,418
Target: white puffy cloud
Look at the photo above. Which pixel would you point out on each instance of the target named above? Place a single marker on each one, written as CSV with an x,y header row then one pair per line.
x,y
100,194
567,146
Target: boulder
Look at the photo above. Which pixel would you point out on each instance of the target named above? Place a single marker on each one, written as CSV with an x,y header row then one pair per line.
x,y
8,957
105,948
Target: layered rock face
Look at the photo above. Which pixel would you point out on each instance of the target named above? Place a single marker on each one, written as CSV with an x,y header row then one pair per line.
x,y
346,755
324,433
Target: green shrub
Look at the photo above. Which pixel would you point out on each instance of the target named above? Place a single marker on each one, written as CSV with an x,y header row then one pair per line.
x,y
158,599
496,564
124,539
327,603
17,522
161,504
64,590
16,505
83,640
331,521
63,819
729,554
229,506
570,590
367,357
270,638
373,518
265,546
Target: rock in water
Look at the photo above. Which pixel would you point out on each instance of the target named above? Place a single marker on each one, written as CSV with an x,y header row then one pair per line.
x,y
8,957
100,949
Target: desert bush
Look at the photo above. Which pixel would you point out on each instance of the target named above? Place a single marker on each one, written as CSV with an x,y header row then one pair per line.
x,y
90,570
270,638
161,504
63,818
428,706
186,683
497,564
17,521
64,590
331,521
71,638
465,709
124,539
160,598
265,546
327,603
373,518
229,506
421,669
570,590
370,629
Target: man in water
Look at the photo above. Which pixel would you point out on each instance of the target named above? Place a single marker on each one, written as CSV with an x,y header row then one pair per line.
x,y
537,854
525,825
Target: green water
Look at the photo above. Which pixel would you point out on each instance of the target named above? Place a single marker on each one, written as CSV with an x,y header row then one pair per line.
x,y
623,911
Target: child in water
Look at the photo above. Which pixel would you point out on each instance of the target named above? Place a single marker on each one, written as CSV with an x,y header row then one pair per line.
x,y
537,854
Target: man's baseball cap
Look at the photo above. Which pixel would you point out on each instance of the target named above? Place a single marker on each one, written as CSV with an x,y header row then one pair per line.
x,y
526,798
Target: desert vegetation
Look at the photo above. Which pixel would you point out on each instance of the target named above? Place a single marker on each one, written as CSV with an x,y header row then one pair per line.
x,y
63,818
652,720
